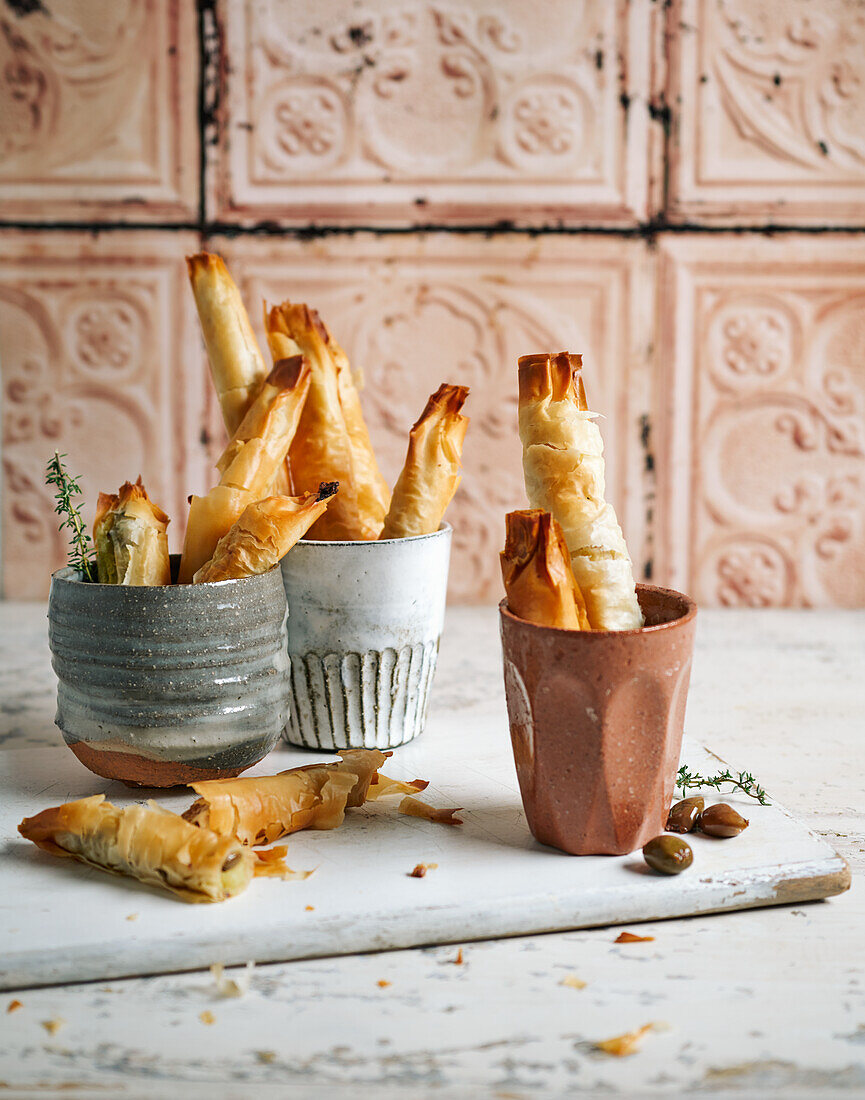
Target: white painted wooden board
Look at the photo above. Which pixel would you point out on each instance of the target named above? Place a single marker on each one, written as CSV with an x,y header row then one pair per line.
x,y
61,921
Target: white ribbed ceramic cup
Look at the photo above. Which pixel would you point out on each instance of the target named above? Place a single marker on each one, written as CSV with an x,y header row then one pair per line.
x,y
364,624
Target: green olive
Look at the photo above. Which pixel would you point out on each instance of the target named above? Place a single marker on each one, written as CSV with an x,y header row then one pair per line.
x,y
668,855
722,820
683,816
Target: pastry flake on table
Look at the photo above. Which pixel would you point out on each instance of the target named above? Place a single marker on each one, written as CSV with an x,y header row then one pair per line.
x,y
145,842
130,537
563,466
431,473
537,574
413,807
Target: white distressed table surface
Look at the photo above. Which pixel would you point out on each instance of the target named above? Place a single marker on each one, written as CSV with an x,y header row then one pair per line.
x,y
753,1003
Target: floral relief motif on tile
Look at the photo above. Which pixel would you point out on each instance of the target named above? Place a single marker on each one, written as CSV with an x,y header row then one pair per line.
x,y
432,111
96,343
774,352
769,103
98,111
412,313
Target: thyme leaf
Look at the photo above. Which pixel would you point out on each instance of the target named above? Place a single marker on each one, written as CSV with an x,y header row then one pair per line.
x,y
742,781
66,487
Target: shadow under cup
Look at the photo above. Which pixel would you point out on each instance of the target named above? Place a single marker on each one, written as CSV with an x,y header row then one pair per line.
x,y
596,720
364,624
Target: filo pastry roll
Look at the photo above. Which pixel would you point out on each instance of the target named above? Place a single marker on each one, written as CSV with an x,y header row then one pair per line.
x,y
130,537
259,810
249,468
264,534
537,574
332,442
430,475
563,466
148,843
236,363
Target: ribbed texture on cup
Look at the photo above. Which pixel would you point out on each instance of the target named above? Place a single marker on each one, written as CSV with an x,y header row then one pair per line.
x,y
180,674
373,700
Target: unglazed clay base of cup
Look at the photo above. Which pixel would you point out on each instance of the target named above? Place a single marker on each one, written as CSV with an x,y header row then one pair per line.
x,y
364,624
159,686
596,720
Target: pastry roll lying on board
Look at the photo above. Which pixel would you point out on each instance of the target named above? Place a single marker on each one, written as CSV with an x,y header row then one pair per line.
x,y
430,475
261,809
536,569
236,363
148,843
332,442
563,466
129,534
263,535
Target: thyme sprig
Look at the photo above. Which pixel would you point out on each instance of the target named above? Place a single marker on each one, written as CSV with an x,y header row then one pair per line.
x,y
66,487
742,781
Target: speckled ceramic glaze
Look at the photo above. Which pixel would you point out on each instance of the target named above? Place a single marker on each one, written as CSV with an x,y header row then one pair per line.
x,y
365,619
166,685
596,722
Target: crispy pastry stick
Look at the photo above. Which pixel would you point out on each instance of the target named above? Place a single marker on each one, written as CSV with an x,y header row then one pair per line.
x,y
264,534
536,569
430,475
332,442
261,809
236,363
244,480
290,375
563,466
145,842
129,534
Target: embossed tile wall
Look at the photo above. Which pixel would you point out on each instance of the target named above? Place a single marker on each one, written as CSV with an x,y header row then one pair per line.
x,y
98,111
763,426
625,161
386,113
100,359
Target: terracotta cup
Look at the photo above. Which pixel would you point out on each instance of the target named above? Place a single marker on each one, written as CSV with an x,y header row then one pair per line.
x,y
596,722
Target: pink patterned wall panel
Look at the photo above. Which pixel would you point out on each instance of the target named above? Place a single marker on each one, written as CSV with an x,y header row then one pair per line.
x,y
428,113
101,360
763,419
415,312
768,112
98,109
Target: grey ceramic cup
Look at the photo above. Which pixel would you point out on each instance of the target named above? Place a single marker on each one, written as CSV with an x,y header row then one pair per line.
x,y
365,619
165,685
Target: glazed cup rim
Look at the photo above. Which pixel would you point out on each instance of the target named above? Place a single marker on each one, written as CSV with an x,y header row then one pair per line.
x,y
688,616
444,528
74,577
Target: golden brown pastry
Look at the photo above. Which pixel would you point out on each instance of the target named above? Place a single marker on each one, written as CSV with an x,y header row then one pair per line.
x,y
563,466
251,469
290,375
430,475
261,809
263,535
129,534
236,363
145,842
332,442
536,569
